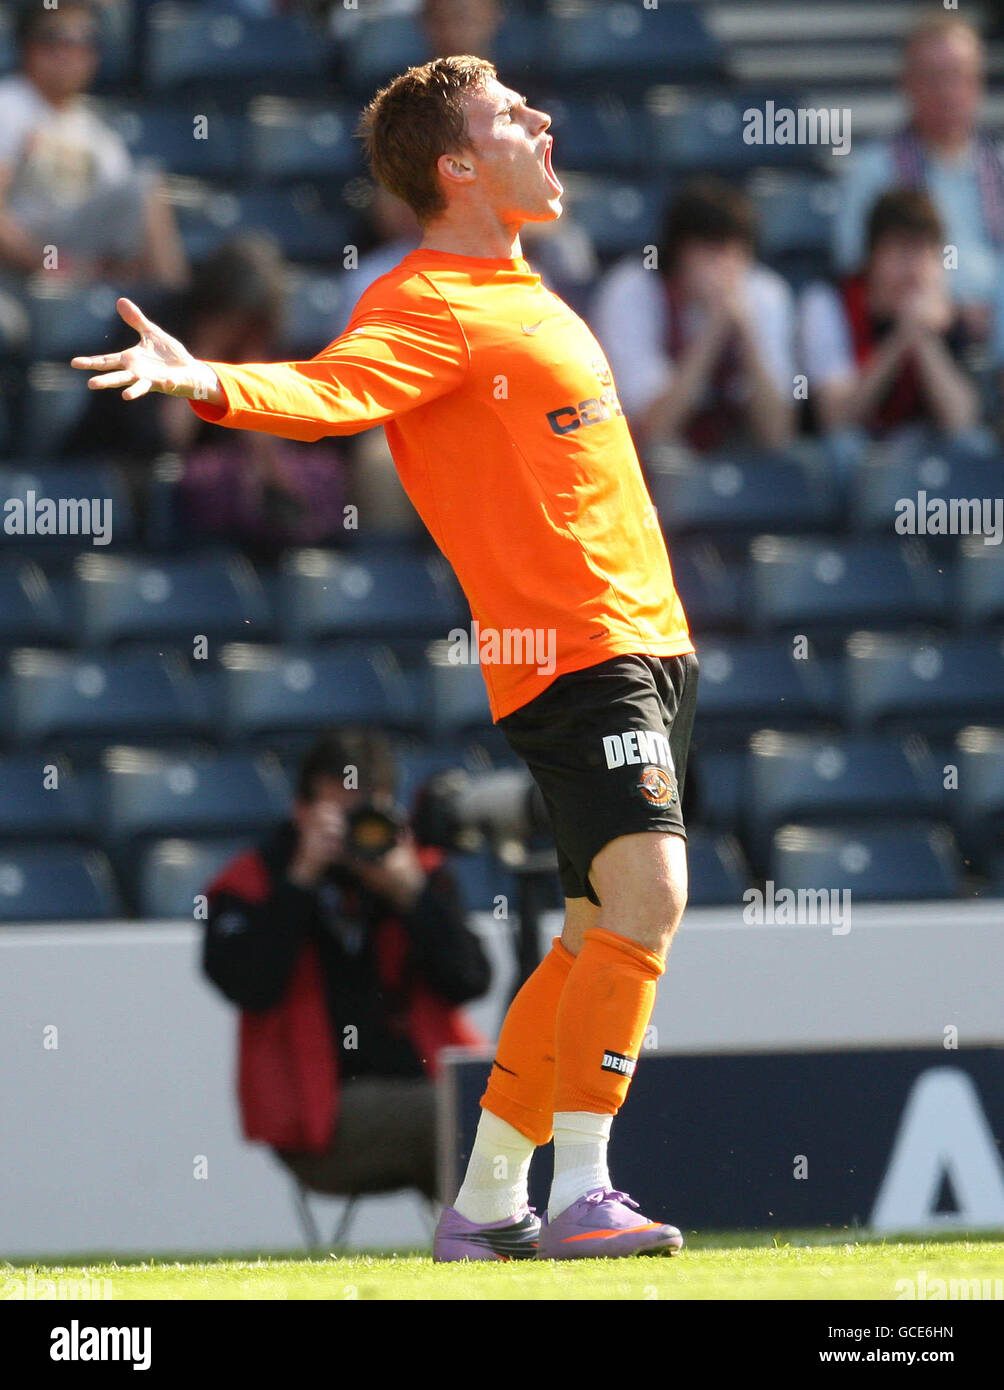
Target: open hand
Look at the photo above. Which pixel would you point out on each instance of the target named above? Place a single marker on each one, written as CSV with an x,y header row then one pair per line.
x,y
158,362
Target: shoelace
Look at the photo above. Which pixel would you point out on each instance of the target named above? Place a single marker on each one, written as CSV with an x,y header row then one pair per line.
x,y
607,1194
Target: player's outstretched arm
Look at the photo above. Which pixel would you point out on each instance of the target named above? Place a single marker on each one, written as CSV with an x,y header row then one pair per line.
x,y
157,362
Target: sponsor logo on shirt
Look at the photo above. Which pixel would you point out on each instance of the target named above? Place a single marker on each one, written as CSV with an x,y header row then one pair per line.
x,y
616,1061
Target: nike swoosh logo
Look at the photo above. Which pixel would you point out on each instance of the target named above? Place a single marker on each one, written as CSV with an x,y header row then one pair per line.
x,y
531,328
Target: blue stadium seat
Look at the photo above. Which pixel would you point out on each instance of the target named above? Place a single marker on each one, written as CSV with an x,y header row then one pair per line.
x,y
380,594
316,307
943,475
29,610
126,694
378,47
282,690
215,148
56,883
296,217
302,140
611,41
995,887
808,584
719,873
482,878
896,860
618,215
740,497
720,777
932,685
980,793
173,873
43,798
795,211
709,586
190,47
148,793
456,698
749,683
800,777
65,315
980,581
30,484
173,599
706,133
55,397
604,133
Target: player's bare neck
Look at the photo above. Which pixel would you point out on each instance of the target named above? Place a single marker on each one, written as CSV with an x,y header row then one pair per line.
x,y
473,236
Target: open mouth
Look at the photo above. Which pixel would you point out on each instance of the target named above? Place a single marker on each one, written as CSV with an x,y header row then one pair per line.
x,y
549,173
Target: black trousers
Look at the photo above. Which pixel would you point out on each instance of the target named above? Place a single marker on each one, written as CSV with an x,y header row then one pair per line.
x,y
385,1140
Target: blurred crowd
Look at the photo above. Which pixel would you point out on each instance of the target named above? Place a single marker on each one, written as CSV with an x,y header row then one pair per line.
x,y
712,349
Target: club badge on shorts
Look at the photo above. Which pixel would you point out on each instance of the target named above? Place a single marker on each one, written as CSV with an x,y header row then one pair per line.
x,y
657,786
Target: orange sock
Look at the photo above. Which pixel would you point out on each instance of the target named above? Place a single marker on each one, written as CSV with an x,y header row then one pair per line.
x,y
521,1084
601,1023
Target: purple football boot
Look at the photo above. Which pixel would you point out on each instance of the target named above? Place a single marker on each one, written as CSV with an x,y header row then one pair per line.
x,y
602,1225
457,1238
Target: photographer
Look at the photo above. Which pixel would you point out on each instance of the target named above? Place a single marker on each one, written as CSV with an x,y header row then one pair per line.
x,y
345,947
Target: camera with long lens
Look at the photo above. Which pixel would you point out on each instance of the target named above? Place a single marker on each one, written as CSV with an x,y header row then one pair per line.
x,y
463,811
373,831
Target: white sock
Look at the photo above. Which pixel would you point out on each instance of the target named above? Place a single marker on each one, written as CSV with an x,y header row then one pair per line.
x,y
580,1157
494,1186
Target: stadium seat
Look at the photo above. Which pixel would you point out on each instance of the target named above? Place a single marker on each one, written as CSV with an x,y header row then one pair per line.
x,y
316,305
709,586
747,683
173,599
173,873
56,883
980,794
740,497
896,860
456,698
800,777
623,42
379,46
85,698
618,215
720,781
706,134
29,610
980,581
215,148
482,878
55,397
808,584
302,140
884,483
31,484
281,690
932,685
718,871
295,216
150,793
380,594
63,315
44,798
602,134
795,211
231,50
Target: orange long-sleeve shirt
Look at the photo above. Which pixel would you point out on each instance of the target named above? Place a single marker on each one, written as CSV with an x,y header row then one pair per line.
x,y
502,416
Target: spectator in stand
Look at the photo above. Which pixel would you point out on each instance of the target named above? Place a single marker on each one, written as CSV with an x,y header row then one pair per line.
x,y
66,179
349,970
254,490
701,343
886,349
943,149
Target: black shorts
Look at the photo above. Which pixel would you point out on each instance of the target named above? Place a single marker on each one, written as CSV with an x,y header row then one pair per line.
x,y
608,748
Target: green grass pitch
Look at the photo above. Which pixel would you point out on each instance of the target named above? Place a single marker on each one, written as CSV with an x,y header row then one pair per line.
x,y
793,1267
